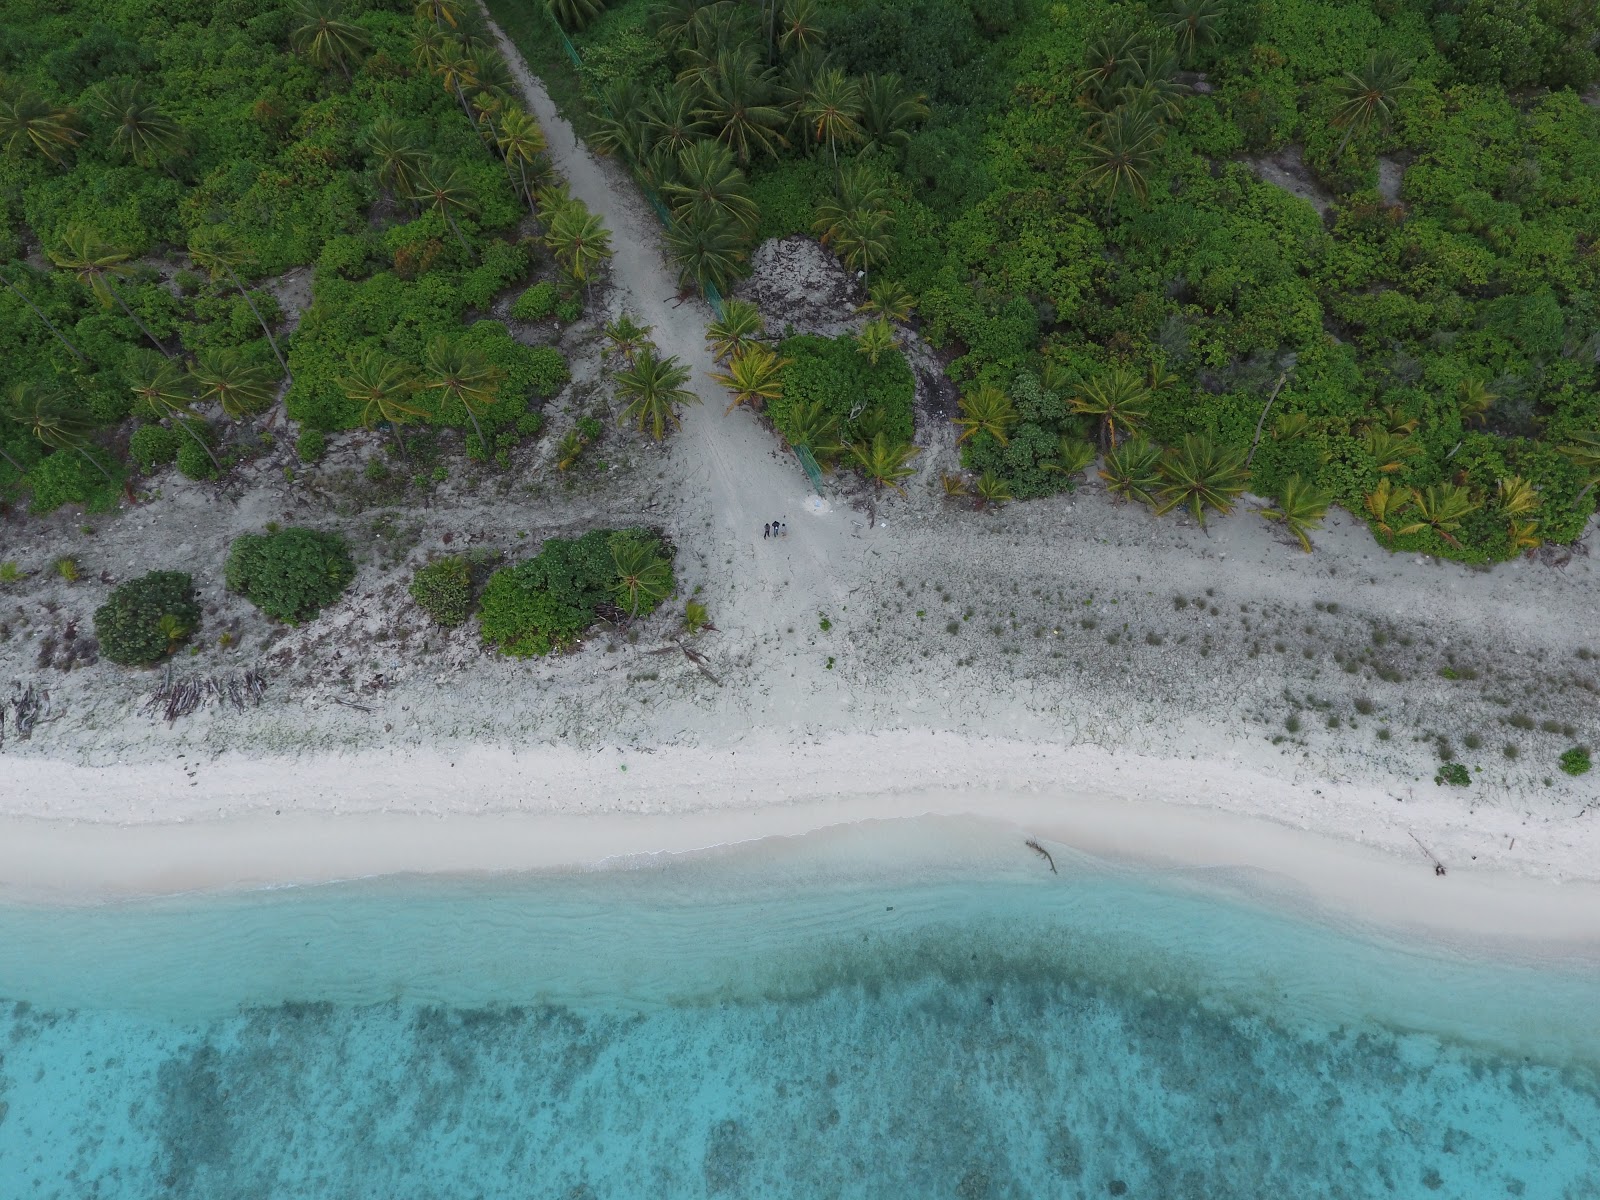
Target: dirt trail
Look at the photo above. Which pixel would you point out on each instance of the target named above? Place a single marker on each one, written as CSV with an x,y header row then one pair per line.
x,y
757,590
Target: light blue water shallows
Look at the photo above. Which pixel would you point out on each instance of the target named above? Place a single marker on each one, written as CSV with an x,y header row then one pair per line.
x,y
782,1022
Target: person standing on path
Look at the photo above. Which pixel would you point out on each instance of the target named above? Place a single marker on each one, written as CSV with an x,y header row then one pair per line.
x,y
766,532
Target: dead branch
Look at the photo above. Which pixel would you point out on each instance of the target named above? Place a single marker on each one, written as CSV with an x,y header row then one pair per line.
x,y
1033,844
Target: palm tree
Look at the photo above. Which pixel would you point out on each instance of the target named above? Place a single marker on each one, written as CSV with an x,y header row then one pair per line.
x,y
447,193
987,410
709,186
580,242
710,251
439,12
1301,508
99,265
1132,471
379,384
1073,456
217,251
48,415
876,339
1107,59
1440,507
1153,82
889,300
626,336
955,486
573,15
1516,497
754,377
143,132
454,70
1193,24
28,120
1582,450
1385,504
811,425
739,327
1474,400
669,120
1199,474
736,100
1367,97
464,376
799,29
1390,450
48,323
644,577
239,386
654,388
862,239
431,46
324,37
889,109
832,112
990,491
522,142
167,393
488,72
398,155
1117,398
884,462
1121,148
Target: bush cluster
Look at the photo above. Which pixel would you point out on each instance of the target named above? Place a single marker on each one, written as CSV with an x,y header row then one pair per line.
x,y
538,303
290,574
147,618
863,397
443,590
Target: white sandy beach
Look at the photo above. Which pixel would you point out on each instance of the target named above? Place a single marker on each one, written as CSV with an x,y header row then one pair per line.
x,y
1139,688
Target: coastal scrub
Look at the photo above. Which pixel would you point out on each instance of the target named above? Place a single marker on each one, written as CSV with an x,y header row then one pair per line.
x,y
290,574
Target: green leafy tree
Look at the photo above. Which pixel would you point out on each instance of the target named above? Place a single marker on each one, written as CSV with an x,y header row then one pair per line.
x,y
141,130
448,193
166,391
291,574
754,377
1301,507
877,338
653,388
443,590
1198,474
380,385
644,574
48,415
217,251
452,372
39,312
320,34
987,410
146,619
239,387
1366,98
99,265
1132,471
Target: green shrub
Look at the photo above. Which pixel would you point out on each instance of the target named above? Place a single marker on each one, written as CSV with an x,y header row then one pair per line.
x,y
569,310
154,446
66,478
443,589
833,371
1576,761
146,619
311,445
537,303
291,574
193,460
1455,774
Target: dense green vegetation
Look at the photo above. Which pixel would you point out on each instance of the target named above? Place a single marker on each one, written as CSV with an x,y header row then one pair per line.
x,y
1070,203
156,159
546,602
289,574
147,618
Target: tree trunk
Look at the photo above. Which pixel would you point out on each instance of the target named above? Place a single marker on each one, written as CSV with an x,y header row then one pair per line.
x,y
482,441
184,425
60,337
271,341
1255,441
83,450
16,466
456,229
132,316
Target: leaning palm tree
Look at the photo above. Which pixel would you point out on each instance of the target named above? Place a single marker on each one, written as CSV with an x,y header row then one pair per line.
x,y
889,300
739,327
1118,399
238,386
1121,149
141,130
379,385
167,392
711,251
324,37
1440,507
1301,507
708,186
523,144
812,426
48,415
644,575
28,120
876,339
462,375
654,389
39,312
832,112
888,110
754,377
217,251
396,153
987,410
1132,471
1193,24
580,242
431,45
1367,97
99,265
627,337
447,193
886,463
1198,474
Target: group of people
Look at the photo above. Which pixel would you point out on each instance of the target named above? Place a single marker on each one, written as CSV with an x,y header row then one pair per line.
x,y
774,529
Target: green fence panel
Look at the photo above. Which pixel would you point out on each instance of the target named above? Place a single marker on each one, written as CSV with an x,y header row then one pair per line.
x,y
809,462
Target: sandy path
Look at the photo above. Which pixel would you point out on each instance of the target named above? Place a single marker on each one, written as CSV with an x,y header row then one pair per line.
x,y
728,461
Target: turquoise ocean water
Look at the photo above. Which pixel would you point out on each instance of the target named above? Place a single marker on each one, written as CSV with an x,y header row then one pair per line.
x,y
861,1014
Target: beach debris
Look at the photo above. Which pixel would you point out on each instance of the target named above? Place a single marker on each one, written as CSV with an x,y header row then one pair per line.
x,y
178,697
1033,844
1438,867
28,708
351,704
693,655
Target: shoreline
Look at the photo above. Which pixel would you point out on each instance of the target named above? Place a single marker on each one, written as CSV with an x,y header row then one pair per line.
x,y
1344,851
